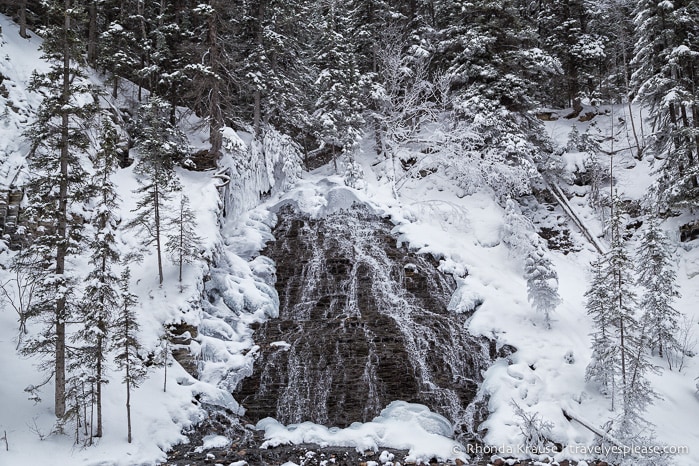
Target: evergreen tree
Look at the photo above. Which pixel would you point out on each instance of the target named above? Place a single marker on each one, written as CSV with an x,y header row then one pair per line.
x,y
208,72
600,369
620,362
338,110
371,20
494,69
117,53
542,280
517,230
527,246
657,275
183,243
609,49
126,344
281,66
162,356
165,71
666,82
57,186
622,306
573,32
101,300
160,146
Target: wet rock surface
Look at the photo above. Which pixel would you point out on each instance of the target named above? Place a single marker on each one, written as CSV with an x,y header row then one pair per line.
x,y
362,323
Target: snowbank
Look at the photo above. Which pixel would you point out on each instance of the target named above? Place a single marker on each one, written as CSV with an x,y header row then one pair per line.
x,y
400,425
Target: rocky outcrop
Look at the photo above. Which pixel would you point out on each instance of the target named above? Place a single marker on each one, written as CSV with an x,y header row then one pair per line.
x,y
362,323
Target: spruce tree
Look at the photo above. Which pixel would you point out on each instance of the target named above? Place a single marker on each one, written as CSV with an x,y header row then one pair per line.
x,y
600,370
165,71
57,186
542,280
338,110
160,145
656,274
117,52
208,74
183,243
517,229
622,305
494,68
126,344
620,362
101,300
666,83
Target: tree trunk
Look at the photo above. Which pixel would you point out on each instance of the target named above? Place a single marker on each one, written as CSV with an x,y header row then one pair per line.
x,y
180,242
92,34
23,19
98,388
676,140
144,38
165,357
690,153
156,207
257,112
62,229
115,86
215,113
695,119
128,405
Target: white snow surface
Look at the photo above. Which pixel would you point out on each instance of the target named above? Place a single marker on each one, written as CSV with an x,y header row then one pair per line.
x,y
430,216
547,372
400,425
158,417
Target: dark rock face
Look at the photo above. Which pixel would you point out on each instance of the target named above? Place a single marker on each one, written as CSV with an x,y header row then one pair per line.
x,y
363,323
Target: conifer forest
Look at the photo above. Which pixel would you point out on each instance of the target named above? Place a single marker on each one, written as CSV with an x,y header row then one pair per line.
x,y
349,232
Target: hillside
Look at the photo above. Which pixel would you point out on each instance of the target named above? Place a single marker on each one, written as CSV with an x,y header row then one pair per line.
x,y
441,199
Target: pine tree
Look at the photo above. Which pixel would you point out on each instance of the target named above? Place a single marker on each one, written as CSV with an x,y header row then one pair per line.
x,y
531,250
600,369
278,66
338,110
517,230
57,187
117,53
183,243
208,73
494,68
542,281
657,275
620,363
126,344
162,356
666,83
101,300
165,71
160,146
622,306
572,33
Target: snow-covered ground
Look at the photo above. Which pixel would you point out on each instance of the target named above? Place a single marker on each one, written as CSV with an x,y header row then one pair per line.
x,y
545,375
158,417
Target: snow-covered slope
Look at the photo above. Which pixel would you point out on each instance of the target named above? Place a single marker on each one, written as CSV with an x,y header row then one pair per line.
x,y
158,417
19,58
545,375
